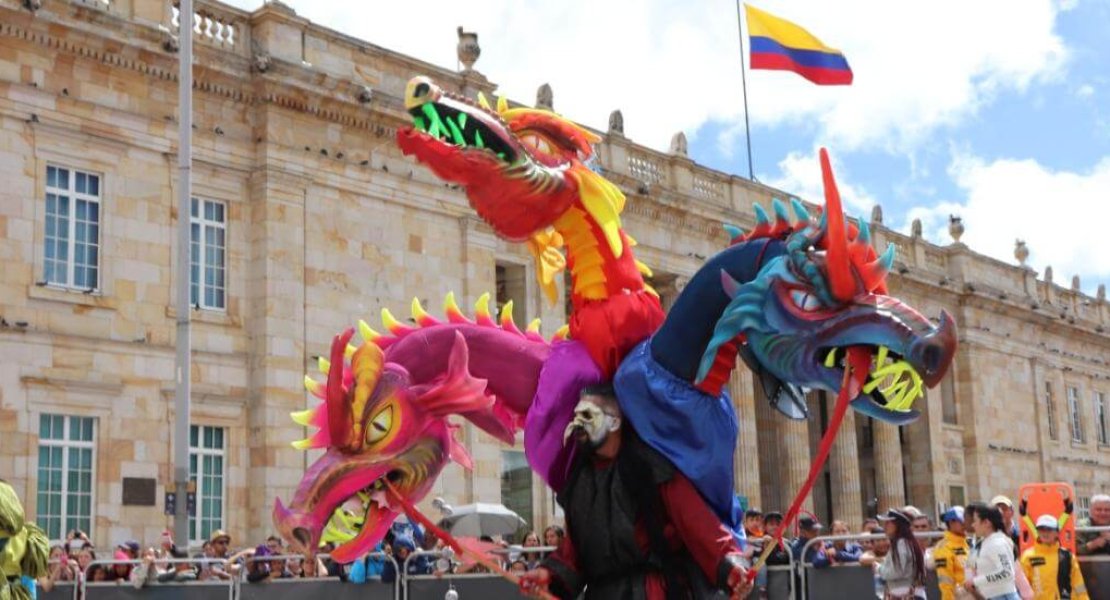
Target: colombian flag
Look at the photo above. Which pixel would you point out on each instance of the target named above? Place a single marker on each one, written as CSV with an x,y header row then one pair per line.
x,y
780,45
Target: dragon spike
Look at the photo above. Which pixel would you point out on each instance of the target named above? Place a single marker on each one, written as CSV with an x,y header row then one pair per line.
x,y
780,210
874,273
563,333
303,417
761,217
502,104
340,420
887,259
533,326
451,309
507,322
734,232
323,364
420,315
318,440
799,210
864,232
349,351
367,332
842,283
730,285
644,270
483,102
481,310
314,387
393,325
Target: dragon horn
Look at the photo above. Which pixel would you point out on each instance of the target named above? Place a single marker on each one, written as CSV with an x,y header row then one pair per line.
x,y
481,310
799,210
842,283
734,232
339,410
780,210
761,217
483,102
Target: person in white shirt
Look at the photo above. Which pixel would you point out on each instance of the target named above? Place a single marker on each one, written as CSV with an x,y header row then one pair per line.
x,y
993,560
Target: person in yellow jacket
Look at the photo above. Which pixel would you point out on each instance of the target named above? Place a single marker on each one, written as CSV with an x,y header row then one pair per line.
x,y
950,554
1052,571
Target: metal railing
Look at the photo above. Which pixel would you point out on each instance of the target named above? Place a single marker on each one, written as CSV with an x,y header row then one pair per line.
x,y
805,566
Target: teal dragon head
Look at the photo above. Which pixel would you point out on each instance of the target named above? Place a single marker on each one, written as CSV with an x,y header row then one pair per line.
x,y
818,305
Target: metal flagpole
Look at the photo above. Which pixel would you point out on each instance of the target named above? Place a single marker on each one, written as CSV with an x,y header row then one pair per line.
x,y
183,365
744,84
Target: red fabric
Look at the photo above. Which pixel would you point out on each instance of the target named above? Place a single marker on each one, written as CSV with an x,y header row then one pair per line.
x,y
818,75
688,524
610,328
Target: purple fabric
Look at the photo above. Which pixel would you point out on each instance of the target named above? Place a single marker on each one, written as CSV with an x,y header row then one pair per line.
x,y
564,374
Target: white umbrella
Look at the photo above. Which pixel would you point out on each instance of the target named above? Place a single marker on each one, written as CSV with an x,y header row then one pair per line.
x,y
481,519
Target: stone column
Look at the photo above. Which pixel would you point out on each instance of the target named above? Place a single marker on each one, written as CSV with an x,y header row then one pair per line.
x,y
794,460
889,486
745,457
767,436
276,320
847,502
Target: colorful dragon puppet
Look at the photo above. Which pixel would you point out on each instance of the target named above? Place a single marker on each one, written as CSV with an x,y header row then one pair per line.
x,y
802,300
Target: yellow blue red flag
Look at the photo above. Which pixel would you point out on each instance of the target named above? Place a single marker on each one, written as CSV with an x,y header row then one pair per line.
x,y
780,45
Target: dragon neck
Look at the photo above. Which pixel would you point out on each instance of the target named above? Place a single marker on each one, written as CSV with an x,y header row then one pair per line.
x,y
596,272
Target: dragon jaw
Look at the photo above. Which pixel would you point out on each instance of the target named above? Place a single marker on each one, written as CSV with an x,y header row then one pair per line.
x,y
516,164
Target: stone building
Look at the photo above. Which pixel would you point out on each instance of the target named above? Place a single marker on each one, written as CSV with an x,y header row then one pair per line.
x,y
306,217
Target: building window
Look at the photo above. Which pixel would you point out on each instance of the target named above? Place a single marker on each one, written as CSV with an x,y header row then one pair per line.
x,y
1083,507
208,254
1100,418
956,495
512,284
1050,411
948,400
207,467
516,484
1075,415
72,251
67,453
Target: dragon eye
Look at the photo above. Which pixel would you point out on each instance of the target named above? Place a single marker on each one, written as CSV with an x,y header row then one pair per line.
x,y
805,300
380,425
536,142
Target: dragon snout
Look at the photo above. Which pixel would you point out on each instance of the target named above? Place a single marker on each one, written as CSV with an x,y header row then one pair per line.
x,y
419,91
933,353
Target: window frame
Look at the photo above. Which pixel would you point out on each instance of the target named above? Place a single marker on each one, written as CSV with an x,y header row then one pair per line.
x,y
202,223
1075,416
200,452
530,518
67,444
1050,412
1102,434
71,231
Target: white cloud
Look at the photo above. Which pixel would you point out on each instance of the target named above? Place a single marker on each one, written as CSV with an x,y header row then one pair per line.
x,y
672,65
1085,91
1062,215
801,174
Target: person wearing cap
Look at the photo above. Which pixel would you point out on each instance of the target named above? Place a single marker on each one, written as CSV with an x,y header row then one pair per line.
x,y
772,523
817,554
1051,569
950,554
903,569
219,542
1006,507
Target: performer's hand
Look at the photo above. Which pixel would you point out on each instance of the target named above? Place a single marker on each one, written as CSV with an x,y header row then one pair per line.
x,y
535,581
1023,507
739,583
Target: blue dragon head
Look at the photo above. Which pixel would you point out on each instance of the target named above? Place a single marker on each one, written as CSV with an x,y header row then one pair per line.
x,y
817,315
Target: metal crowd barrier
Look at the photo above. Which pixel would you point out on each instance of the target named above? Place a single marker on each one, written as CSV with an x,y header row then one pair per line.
x,y
331,587
1095,569
844,582
213,589
467,585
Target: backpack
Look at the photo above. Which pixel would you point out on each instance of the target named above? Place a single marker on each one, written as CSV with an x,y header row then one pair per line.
x,y
1063,574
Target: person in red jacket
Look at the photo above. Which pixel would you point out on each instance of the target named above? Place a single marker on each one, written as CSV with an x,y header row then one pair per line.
x,y
636,527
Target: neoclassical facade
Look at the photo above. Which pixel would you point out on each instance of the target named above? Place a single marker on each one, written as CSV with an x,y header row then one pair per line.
x,y
306,217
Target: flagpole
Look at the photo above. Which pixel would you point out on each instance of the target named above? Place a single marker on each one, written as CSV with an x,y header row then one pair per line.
x,y
744,85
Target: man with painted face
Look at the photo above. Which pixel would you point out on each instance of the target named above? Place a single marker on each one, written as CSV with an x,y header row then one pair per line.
x,y
636,527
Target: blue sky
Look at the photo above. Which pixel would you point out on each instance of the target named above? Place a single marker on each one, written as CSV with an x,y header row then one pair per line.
x,y
996,110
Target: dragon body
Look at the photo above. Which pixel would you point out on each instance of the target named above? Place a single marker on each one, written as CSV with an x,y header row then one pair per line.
x,y
801,299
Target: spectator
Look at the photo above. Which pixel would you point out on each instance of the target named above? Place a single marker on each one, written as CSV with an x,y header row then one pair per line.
x,y
369,567
85,556
75,541
58,569
875,556
869,525
903,569
519,566
1010,526
219,543
921,525
1052,570
553,536
403,546
121,570
295,567
753,533
531,559
1095,542
260,569
324,567
949,556
992,564
819,553
772,524
844,552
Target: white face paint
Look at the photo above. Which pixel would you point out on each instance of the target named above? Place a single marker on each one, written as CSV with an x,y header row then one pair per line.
x,y
594,422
